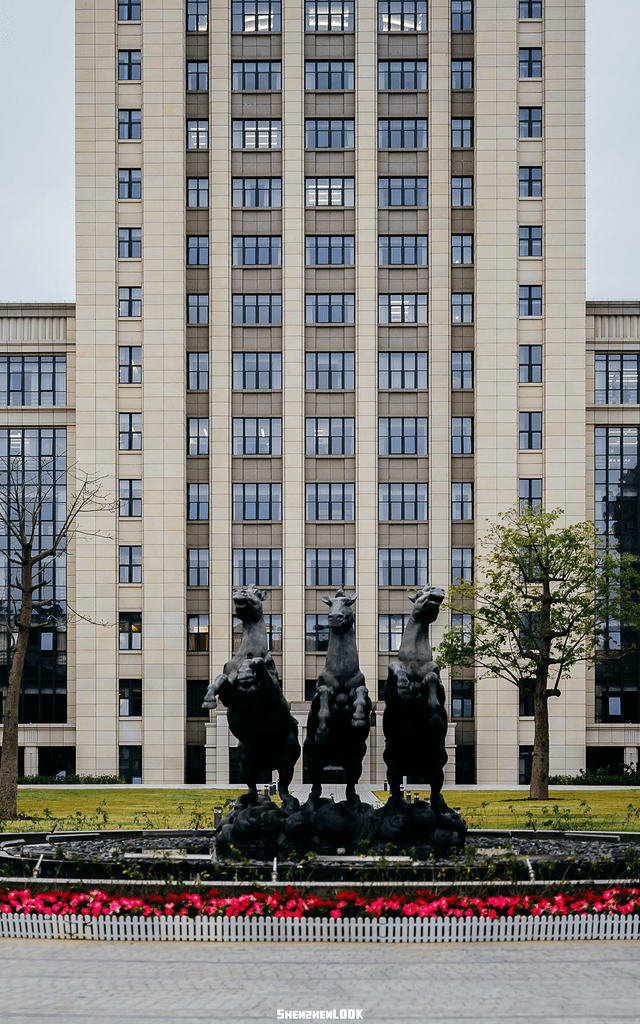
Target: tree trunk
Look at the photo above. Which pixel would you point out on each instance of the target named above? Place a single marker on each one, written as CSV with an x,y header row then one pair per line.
x,y
9,764
539,786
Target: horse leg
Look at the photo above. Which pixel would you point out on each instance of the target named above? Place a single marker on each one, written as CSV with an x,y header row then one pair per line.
x,y
314,767
359,719
249,777
211,697
285,771
394,778
436,781
354,771
324,714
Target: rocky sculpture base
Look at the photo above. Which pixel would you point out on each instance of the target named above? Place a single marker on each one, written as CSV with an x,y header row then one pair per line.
x,y
263,829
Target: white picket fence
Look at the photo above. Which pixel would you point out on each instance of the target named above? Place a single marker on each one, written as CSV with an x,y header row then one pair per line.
x,y
319,929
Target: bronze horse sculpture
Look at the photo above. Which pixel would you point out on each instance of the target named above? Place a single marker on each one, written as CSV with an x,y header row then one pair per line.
x,y
257,712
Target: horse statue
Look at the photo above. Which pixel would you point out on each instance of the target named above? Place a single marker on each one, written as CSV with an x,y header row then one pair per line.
x,y
257,713
338,723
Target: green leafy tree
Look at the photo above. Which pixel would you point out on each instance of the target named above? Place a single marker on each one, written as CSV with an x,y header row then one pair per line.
x,y
540,604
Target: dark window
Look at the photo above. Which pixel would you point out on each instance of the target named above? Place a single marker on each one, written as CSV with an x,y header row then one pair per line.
x,y
462,191
329,74
128,10
398,502
33,380
197,501
402,192
195,763
198,567
402,15
257,309
461,132
253,436
403,133
130,763
462,308
129,65
197,633
462,74
324,250
129,124
310,687
327,502
253,76
129,301
402,309
530,359
330,567
402,370
316,633
197,309
402,74
333,133
530,425
197,134
257,501
256,16
130,698
530,300
403,567
530,182
462,15
130,364
462,249
197,15
257,371
197,76
390,630
197,435
256,134
43,689
197,192
530,63
616,380
461,370
196,692
330,309
330,371
197,250
273,624
330,436
462,435
129,243
461,565
465,765
260,192
530,493
130,184
259,566
461,501
462,698
530,122
130,495
403,435
130,631
198,371
530,241
329,15
525,762
530,9
130,561
525,698
130,431
403,250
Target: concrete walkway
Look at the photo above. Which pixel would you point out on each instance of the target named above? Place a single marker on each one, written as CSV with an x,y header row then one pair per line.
x,y
338,792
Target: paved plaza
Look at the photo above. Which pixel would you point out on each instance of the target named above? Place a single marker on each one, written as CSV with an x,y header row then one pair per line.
x,y
44,982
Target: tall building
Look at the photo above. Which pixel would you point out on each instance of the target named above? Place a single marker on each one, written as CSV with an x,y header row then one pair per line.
x,y
330,324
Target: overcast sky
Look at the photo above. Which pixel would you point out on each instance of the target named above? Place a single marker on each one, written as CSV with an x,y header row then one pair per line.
x,y
36,150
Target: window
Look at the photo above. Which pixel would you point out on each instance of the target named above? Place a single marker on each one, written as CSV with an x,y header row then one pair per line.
x,y
402,192
330,371
130,631
129,11
253,436
402,74
256,16
330,567
530,300
402,435
403,567
197,250
326,502
130,124
197,15
616,378
196,692
398,502
197,76
530,239
461,501
530,358
330,309
525,695
257,501
402,309
129,301
525,765
333,133
33,380
330,191
329,16
197,436
530,426
130,698
530,493
198,567
462,307
198,371
273,624
462,191
402,15
461,132
257,309
197,309
129,243
197,192
330,436
403,133
530,182
130,431
253,76
260,192
324,250
130,184
130,564
130,495
462,15
197,134
462,435
197,501
256,134
129,65
402,370
260,566
461,370
530,63
329,74
402,250
390,630
461,565
462,249
530,9
316,633
462,74
257,371
197,633
130,764
462,698
530,122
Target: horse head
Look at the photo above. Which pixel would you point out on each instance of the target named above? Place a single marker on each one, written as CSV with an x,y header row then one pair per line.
x,y
426,604
340,616
248,602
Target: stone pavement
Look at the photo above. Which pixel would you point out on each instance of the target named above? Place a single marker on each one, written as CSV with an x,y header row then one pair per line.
x,y
338,792
58,982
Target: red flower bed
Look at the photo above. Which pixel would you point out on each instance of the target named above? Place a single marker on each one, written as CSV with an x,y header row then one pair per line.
x,y
291,903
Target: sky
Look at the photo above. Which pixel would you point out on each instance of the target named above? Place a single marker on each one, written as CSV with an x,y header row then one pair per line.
x,y
37,148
